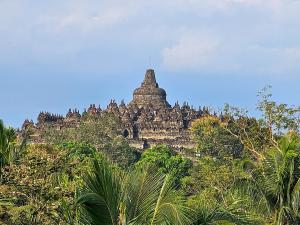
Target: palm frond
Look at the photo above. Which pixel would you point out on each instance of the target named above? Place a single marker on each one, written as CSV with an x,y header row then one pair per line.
x,y
295,202
152,200
142,191
101,196
252,190
170,208
232,214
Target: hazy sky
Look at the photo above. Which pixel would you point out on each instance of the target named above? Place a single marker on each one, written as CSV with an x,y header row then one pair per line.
x,y
69,53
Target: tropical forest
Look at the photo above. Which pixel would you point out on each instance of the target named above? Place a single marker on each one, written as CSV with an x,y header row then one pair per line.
x,y
242,170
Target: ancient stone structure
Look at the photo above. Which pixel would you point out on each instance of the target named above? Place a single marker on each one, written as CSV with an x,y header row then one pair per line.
x,y
149,94
147,120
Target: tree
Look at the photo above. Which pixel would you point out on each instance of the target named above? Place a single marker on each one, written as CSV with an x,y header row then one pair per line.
x,y
35,186
209,174
259,135
120,152
209,193
94,129
213,139
232,214
9,150
166,161
111,197
276,184
278,117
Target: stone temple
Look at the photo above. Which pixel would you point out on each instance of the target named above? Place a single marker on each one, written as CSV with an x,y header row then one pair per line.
x,y
150,93
147,120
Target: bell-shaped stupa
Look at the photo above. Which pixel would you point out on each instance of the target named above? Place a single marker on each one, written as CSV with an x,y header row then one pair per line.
x,y
150,93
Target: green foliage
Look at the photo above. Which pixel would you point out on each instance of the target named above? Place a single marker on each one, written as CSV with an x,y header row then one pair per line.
x,y
232,214
111,197
278,117
36,185
119,152
209,188
9,148
209,173
78,150
247,172
101,132
101,195
251,132
214,140
96,130
275,184
259,135
166,161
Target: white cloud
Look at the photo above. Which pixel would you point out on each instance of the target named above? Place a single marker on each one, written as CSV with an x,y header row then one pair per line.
x,y
221,36
226,55
277,60
192,51
85,21
210,6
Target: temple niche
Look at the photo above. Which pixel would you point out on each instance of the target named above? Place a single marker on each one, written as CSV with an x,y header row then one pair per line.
x,y
146,121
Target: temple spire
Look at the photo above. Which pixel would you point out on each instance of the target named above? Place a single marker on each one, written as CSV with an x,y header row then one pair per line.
x,y
150,78
150,93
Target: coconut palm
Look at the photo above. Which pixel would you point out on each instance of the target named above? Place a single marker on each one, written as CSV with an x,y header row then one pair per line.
x,y
111,197
9,150
7,138
217,215
276,184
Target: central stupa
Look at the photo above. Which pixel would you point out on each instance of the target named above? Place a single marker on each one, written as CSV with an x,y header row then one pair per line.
x,y
150,94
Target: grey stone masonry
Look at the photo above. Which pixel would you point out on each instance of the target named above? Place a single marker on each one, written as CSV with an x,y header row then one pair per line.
x,y
147,120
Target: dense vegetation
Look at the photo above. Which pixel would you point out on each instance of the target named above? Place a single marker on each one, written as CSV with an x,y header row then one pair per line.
x,y
243,170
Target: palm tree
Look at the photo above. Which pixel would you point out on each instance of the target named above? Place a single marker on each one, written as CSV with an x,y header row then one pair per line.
x,y
275,185
111,197
217,215
9,150
7,137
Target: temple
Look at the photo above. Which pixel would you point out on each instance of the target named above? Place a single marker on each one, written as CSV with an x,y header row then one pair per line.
x,y
147,120
149,94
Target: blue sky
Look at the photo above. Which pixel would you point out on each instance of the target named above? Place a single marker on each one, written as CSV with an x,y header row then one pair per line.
x,y
69,53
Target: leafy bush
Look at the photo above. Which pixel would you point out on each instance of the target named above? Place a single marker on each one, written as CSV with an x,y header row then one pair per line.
x,y
166,161
37,184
